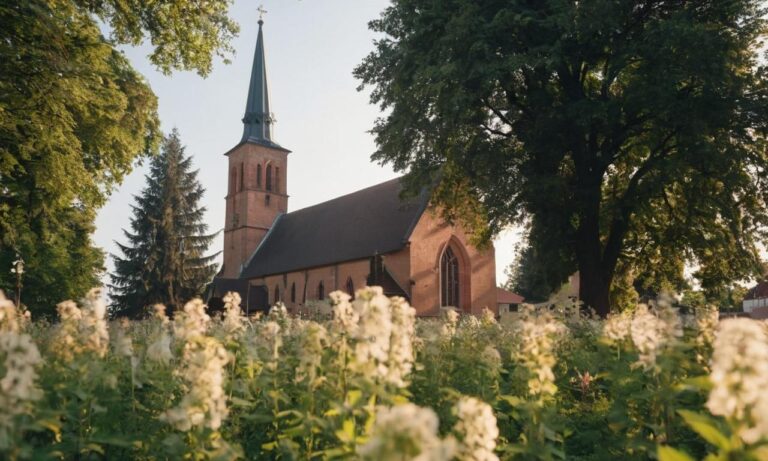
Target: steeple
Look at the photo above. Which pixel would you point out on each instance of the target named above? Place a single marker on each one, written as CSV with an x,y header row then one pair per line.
x,y
258,119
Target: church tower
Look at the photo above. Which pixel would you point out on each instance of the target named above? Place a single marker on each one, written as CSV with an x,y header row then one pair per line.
x,y
257,191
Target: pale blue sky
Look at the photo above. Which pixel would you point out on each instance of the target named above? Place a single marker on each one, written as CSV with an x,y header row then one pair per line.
x,y
311,49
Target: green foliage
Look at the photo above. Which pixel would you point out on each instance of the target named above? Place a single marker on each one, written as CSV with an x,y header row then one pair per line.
x,y
164,261
74,117
598,120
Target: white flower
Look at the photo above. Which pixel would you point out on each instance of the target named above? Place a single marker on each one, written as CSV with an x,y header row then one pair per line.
x,y
617,326
123,342
234,321
18,386
706,323
191,322
82,330
651,332
311,346
538,332
401,356
345,317
9,318
160,349
476,430
450,322
740,377
373,332
491,357
202,371
406,432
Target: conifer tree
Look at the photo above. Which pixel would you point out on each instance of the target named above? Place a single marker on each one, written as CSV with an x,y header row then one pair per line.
x,y
164,260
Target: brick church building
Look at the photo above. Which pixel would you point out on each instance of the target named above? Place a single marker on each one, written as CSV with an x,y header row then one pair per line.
x,y
368,237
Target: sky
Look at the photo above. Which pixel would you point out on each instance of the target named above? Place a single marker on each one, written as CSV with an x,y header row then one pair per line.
x,y
311,49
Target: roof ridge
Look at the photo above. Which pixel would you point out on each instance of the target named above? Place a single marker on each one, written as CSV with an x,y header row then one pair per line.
x,y
345,195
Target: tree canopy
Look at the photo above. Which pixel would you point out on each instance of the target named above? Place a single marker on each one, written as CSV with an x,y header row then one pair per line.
x,y
75,116
164,260
630,133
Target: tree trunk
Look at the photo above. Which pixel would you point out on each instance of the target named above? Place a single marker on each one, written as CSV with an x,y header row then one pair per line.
x,y
594,290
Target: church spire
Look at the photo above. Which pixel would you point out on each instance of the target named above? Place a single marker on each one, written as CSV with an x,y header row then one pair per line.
x,y
258,119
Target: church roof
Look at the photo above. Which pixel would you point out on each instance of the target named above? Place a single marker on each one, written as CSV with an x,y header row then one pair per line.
x,y
355,226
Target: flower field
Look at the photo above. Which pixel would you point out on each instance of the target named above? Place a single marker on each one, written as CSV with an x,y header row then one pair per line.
x,y
375,383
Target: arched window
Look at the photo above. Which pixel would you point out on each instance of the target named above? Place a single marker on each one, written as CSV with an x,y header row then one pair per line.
x,y
293,292
269,177
350,287
258,176
449,279
320,290
277,293
242,173
277,179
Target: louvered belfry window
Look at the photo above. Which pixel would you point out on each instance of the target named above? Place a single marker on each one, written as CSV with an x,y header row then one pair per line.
x,y
449,279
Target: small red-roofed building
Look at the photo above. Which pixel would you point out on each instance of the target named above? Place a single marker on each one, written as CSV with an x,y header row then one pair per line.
x,y
756,299
507,301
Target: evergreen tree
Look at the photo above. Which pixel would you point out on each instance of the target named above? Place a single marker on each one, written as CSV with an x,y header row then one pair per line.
x,y
164,261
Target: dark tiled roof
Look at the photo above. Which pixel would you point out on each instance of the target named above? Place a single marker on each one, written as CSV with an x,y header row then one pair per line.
x,y
220,286
759,291
355,226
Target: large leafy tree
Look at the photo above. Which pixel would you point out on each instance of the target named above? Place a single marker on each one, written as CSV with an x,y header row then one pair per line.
x,y
623,129
74,117
164,260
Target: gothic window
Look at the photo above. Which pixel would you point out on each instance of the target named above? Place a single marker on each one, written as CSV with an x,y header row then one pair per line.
x,y
277,293
320,290
277,179
293,292
269,177
242,173
350,287
266,200
449,279
258,176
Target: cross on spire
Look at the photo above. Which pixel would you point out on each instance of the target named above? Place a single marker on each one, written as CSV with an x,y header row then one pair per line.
x,y
261,11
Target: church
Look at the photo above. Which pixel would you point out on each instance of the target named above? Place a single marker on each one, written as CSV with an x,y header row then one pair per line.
x,y
368,237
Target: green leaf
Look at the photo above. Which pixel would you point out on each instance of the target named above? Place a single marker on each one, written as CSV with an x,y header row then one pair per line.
x,y
672,454
706,427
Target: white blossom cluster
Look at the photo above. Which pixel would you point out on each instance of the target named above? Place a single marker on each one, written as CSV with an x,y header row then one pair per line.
x,y
313,341
538,332
450,322
476,430
18,386
202,370
191,322
234,320
381,331
159,339
706,323
10,319
652,331
82,330
740,377
616,327
406,432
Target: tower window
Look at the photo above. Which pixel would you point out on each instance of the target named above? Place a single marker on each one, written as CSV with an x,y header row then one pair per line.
x,y
232,179
269,177
350,287
242,174
277,179
449,279
293,292
266,200
320,290
258,176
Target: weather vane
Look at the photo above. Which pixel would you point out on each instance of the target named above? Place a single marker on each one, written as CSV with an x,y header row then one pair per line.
x,y
261,11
